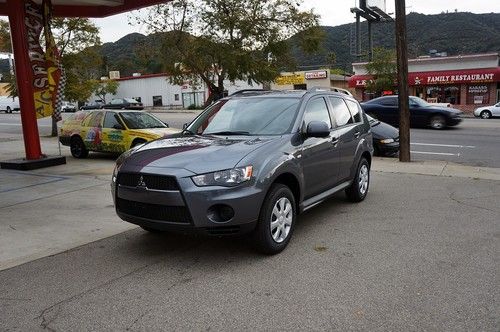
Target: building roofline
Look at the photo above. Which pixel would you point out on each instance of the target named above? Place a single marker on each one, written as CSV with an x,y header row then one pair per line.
x,y
465,56
127,78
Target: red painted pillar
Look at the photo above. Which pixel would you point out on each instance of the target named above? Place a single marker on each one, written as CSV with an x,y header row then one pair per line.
x,y
24,77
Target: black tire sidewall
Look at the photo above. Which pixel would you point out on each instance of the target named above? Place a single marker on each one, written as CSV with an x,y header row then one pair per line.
x,y
137,141
353,192
263,237
83,149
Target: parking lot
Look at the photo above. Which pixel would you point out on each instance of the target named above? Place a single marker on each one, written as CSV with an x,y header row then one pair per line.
x,y
421,252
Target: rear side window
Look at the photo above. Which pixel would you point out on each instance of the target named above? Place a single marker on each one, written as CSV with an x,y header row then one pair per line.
x,y
340,111
355,110
95,120
389,102
316,110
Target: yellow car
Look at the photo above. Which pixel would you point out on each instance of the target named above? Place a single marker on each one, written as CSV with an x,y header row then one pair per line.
x,y
110,131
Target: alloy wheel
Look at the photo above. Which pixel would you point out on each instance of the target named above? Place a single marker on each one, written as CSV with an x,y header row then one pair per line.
x,y
363,179
281,219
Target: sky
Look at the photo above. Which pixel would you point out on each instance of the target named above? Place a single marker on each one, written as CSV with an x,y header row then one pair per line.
x,y
333,12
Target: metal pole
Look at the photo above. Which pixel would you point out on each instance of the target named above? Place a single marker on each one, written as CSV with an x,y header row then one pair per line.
x,y
402,62
370,41
24,78
358,35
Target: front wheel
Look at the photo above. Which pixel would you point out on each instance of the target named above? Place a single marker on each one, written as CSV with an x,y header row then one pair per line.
x,y
358,190
485,114
137,142
438,122
8,110
77,148
276,221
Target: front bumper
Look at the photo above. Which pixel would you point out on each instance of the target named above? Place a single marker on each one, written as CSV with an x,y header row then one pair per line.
x,y
454,121
185,207
390,149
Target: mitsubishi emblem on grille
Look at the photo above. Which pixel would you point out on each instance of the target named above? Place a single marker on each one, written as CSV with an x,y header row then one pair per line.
x,y
141,183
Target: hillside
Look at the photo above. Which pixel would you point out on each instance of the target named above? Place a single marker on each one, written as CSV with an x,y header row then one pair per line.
x,y
455,33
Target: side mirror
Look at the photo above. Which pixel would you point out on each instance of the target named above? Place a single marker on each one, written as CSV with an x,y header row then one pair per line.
x,y
317,129
166,124
184,126
118,126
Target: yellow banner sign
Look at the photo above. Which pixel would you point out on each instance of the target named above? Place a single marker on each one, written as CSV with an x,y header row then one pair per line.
x,y
290,79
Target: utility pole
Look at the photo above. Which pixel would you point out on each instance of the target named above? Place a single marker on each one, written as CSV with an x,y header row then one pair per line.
x,y
404,109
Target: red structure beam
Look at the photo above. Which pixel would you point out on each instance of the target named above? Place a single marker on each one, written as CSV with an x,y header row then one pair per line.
x,y
24,77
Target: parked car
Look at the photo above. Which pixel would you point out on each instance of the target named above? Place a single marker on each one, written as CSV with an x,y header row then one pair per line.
x,y
9,104
68,107
110,131
422,114
124,104
92,106
248,164
487,112
385,138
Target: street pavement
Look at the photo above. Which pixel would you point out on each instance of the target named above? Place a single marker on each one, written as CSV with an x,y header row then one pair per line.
x,y
420,253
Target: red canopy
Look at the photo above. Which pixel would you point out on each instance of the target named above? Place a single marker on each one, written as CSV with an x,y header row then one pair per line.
x,y
484,75
91,8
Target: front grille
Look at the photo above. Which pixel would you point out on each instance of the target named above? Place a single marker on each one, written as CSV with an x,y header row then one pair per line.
x,y
157,182
224,230
175,214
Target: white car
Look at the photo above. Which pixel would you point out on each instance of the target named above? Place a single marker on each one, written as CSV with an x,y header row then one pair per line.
x,y
487,112
9,104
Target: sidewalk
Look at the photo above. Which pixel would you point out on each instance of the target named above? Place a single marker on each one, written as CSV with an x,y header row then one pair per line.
x,y
51,210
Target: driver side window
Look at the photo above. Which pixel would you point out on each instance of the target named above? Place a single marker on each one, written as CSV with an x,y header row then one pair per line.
x,y
316,110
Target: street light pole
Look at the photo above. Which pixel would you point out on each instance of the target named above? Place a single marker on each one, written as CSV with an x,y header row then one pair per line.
x,y
402,62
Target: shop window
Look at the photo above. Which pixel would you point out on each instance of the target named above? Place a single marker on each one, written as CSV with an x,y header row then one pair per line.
x,y
176,97
157,101
443,94
300,86
478,94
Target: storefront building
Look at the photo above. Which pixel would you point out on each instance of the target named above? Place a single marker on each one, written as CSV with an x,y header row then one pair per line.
x,y
304,80
465,82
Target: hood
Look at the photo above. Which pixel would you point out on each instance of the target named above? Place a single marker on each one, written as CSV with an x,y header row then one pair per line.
x,y
445,109
382,130
198,154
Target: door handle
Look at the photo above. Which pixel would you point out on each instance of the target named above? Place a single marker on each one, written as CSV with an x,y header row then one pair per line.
x,y
357,134
335,140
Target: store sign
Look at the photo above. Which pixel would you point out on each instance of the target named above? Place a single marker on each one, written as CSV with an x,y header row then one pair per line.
x,y
315,75
451,79
478,89
290,79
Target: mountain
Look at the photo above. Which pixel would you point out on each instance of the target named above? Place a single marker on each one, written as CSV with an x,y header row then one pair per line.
x,y
454,33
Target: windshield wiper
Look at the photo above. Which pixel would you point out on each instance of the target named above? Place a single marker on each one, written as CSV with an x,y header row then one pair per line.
x,y
228,133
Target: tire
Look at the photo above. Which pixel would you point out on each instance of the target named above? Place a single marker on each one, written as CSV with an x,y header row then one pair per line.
x,y
77,148
8,110
438,122
151,230
485,114
137,141
358,190
271,237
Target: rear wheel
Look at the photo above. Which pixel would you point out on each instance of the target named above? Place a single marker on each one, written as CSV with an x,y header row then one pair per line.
x,y
276,221
438,122
485,114
78,149
358,190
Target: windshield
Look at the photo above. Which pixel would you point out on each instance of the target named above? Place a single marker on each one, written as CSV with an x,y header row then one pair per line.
x,y
247,116
140,120
418,101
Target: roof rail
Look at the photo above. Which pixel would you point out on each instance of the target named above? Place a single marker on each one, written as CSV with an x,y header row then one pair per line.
x,y
250,92
332,88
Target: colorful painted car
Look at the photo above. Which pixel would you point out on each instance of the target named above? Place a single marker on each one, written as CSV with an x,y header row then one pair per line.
x,y
110,131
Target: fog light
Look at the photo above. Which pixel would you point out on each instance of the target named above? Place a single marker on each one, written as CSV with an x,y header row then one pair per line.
x,y
220,213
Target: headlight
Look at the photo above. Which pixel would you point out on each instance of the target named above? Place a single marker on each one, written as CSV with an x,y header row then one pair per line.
x,y
225,178
387,140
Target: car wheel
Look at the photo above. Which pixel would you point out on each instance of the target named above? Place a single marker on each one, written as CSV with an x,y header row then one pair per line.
x,y
358,190
137,142
77,148
438,122
276,221
485,114
151,230
8,110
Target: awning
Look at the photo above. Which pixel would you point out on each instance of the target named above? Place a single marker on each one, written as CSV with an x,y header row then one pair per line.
x,y
484,75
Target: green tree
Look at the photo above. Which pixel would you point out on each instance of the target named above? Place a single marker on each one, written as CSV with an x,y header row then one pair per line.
x,y
103,88
5,45
383,69
11,85
219,40
82,69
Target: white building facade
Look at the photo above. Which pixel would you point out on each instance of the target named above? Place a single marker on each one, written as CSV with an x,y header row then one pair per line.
x,y
155,90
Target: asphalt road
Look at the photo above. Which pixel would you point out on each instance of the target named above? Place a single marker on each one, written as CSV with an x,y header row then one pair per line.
x,y
474,142
420,253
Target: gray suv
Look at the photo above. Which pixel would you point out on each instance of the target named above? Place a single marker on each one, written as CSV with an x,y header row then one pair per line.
x,y
249,163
